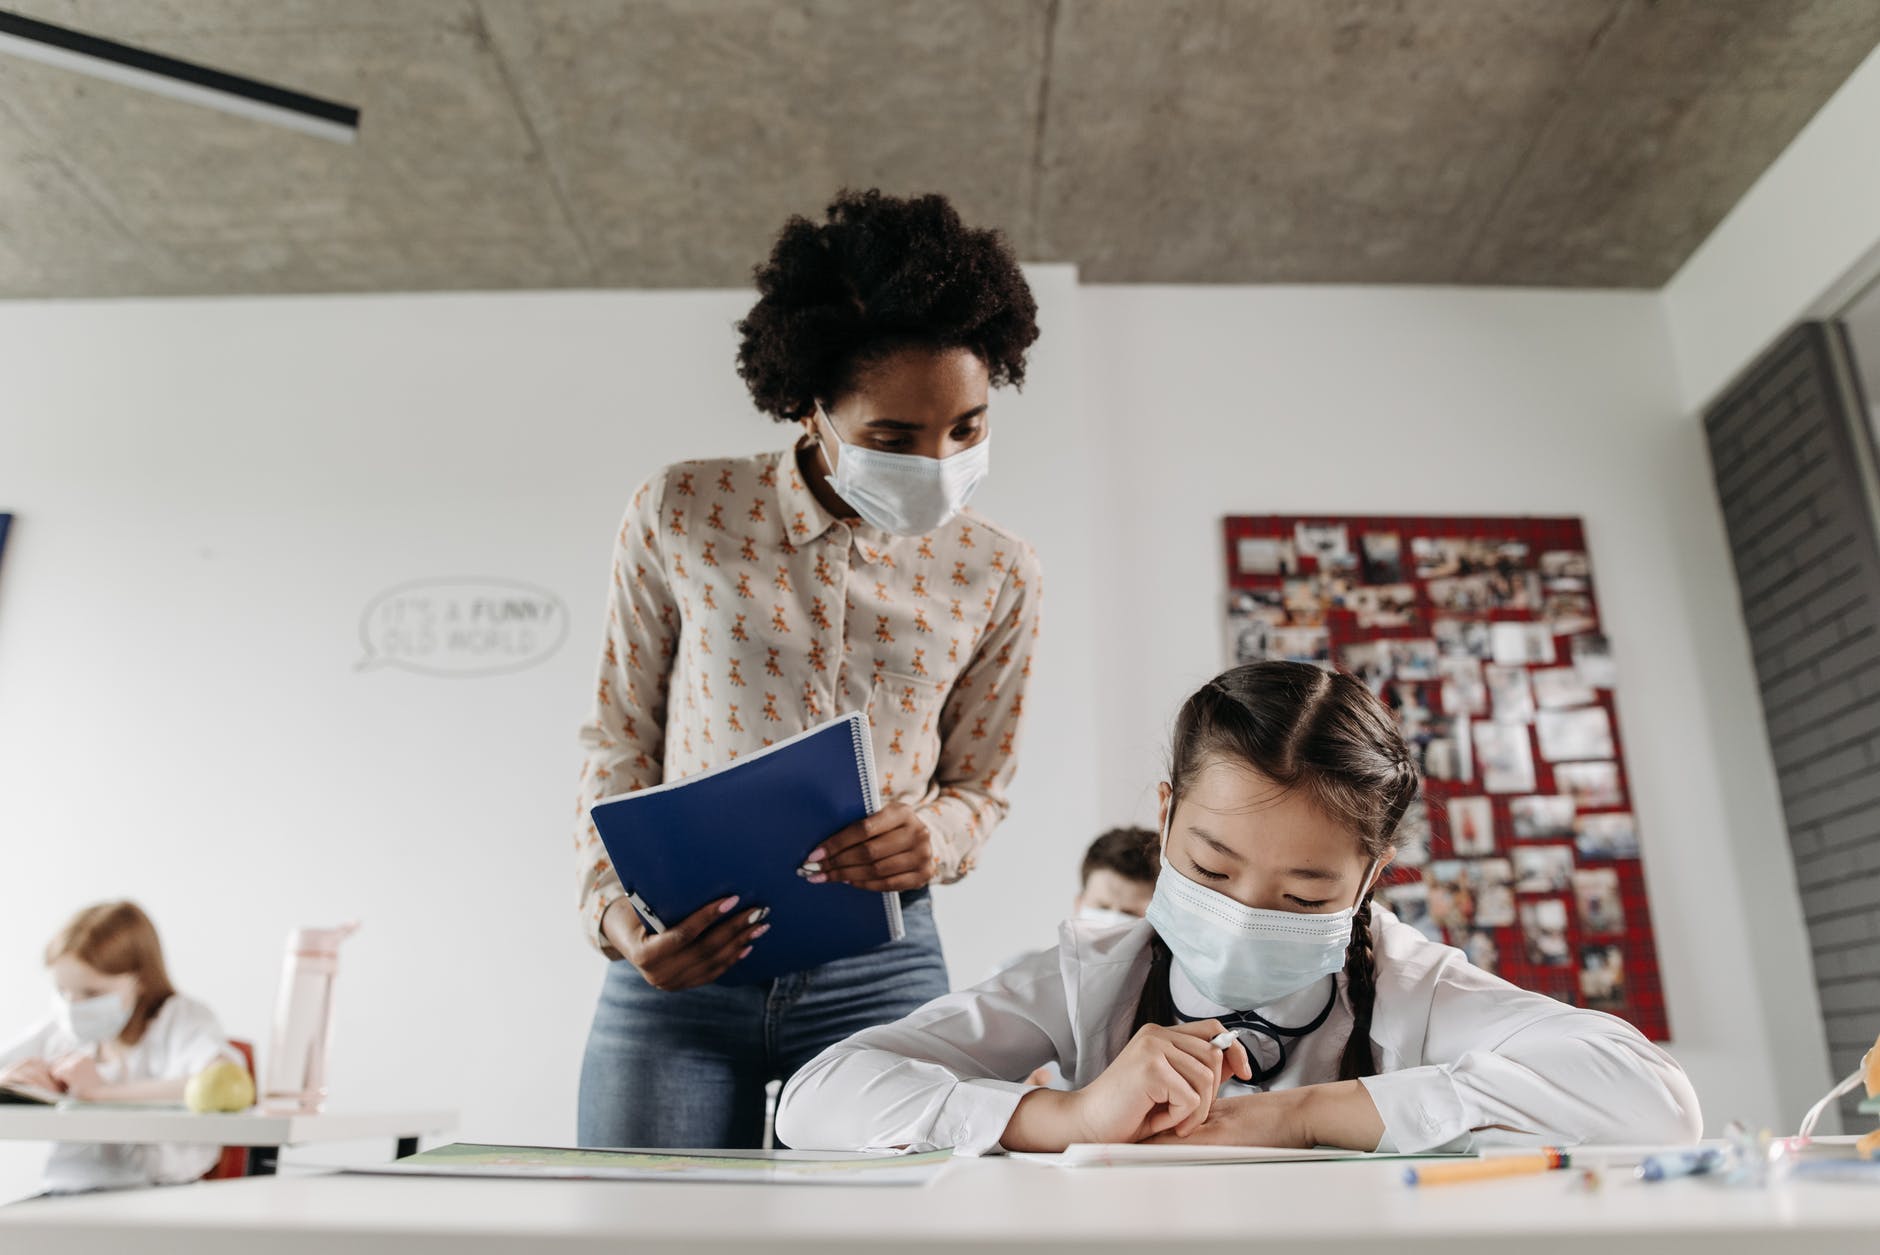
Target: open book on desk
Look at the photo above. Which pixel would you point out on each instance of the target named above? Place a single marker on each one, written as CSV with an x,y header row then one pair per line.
x,y
1130,1154
21,1092
758,1167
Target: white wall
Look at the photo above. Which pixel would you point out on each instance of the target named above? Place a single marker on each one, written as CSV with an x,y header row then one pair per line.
x,y
1801,244
1796,246
207,495
1405,401
209,492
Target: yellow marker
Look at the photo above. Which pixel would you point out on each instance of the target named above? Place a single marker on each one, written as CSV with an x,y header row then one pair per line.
x,y
1487,1169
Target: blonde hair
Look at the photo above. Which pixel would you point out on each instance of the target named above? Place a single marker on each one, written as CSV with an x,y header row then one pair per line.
x,y
115,938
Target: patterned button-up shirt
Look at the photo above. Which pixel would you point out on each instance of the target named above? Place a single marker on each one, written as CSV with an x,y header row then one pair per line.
x,y
742,613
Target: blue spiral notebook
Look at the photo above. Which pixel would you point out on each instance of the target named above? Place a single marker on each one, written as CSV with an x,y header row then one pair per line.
x,y
745,828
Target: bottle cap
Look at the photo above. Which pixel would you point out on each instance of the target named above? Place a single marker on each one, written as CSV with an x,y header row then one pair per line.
x,y
321,940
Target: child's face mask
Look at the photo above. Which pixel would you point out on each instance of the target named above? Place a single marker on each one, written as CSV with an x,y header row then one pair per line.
x,y
92,1020
1241,956
1107,916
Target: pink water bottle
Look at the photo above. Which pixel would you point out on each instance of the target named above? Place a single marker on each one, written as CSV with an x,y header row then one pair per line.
x,y
303,1019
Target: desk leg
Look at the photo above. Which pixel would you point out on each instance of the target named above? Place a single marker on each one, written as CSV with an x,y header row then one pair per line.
x,y
262,1160
407,1147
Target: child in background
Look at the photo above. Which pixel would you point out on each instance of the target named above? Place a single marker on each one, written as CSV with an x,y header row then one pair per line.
x,y
1116,880
119,1032
1340,1026
1118,877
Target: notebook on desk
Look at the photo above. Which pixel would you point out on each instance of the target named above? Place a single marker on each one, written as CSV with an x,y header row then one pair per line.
x,y
744,829
750,1167
20,1092
1140,1154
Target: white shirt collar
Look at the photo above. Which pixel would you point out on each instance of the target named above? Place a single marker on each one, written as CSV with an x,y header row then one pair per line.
x,y
1294,1009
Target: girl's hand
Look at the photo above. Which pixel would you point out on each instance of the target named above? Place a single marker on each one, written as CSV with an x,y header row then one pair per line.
x,y
888,852
35,1072
78,1076
696,951
1270,1119
1337,1114
1165,1080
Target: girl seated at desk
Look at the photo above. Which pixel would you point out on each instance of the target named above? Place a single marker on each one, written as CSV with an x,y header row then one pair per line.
x,y
1338,1025
118,1033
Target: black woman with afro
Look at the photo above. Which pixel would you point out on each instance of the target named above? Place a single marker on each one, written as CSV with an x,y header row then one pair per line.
x,y
756,597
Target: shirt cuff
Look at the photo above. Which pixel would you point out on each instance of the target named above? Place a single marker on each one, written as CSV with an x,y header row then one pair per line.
x,y
1421,1107
598,939
974,1115
953,822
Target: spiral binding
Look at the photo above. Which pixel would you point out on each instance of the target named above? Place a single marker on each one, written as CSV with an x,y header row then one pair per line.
x,y
865,760
871,798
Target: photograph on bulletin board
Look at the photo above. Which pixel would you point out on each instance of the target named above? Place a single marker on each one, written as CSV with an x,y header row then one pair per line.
x,y
1483,636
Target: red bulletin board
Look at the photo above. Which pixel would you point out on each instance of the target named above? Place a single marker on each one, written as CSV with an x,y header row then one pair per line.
x,y
1483,635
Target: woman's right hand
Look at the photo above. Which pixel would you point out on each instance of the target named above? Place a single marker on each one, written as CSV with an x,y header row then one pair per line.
x,y
1165,1078
31,1072
695,951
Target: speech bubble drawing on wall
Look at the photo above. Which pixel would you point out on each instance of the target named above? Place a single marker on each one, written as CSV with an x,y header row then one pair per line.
x,y
462,628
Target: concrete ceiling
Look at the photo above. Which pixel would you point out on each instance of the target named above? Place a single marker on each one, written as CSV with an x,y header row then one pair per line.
x,y
660,143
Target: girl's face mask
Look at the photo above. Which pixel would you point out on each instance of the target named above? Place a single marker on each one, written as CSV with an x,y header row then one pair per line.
x,y
92,1020
1241,956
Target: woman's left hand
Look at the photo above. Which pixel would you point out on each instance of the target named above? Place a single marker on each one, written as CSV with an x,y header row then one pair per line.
x,y
79,1075
889,852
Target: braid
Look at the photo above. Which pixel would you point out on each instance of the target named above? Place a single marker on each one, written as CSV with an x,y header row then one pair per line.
x,y
1361,987
1157,1004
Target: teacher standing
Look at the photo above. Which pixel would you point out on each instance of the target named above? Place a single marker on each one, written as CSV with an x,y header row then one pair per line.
x,y
756,597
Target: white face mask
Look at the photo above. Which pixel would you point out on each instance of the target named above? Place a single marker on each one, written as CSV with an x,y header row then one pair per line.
x,y
904,493
1107,916
1241,956
92,1020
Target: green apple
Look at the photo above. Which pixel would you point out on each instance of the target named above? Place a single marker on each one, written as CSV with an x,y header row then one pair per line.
x,y
222,1086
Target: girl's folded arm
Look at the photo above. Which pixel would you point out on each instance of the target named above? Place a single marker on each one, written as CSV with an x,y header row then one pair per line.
x,y
169,1089
949,1075
28,1045
1504,1064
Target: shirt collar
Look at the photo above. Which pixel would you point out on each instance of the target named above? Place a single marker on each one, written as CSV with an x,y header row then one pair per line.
x,y
1294,1009
797,502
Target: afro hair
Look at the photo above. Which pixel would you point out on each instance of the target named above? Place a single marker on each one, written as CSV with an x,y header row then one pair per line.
x,y
878,275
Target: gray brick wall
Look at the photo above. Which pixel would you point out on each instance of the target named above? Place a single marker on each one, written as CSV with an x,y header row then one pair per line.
x,y
1788,469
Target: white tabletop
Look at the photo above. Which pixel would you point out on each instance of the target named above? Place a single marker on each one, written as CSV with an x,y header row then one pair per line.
x,y
981,1205
103,1123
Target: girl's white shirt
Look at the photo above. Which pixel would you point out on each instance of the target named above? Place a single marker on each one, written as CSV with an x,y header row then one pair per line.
x,y
181,1040
1464,1058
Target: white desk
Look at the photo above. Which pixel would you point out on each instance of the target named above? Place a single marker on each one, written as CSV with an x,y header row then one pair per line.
x,y
262,1133
978,1205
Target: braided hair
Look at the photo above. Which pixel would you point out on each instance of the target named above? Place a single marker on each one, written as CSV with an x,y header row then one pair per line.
x,y
1323,732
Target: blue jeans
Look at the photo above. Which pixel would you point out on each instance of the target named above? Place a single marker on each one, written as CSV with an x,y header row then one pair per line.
x,y
689,1068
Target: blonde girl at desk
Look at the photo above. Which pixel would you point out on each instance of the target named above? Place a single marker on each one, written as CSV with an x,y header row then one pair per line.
x,y
119,1032
1348,1028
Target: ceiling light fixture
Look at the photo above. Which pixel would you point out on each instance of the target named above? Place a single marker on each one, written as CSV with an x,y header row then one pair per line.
x,y
180,80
